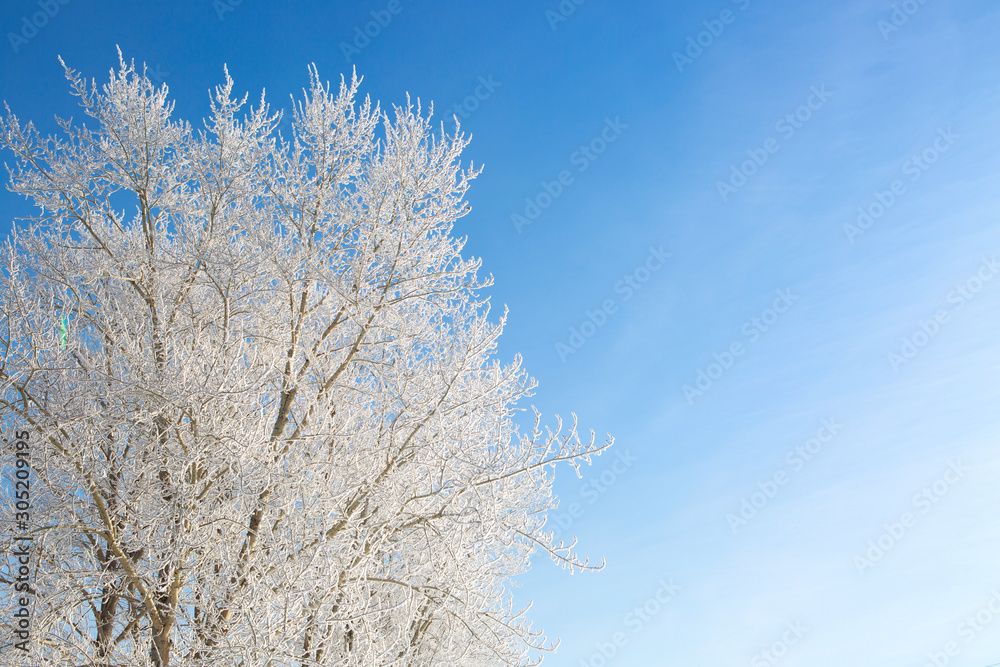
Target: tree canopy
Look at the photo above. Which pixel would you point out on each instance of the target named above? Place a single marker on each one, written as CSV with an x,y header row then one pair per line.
x,y
268,424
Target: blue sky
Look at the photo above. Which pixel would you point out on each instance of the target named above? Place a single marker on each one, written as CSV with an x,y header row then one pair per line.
x,y
876,101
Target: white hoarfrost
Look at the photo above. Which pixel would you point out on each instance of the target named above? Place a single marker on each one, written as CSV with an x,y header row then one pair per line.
x,y
267,422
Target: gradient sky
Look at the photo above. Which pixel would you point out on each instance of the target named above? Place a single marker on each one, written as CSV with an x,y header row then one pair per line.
x,y
909,101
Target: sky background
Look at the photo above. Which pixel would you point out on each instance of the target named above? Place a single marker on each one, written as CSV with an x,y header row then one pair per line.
x,y
667,513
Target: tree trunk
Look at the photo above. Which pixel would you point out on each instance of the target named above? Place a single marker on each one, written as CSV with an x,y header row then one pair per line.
x,y
159,650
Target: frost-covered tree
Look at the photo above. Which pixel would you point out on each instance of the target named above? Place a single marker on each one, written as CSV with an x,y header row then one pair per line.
x,y
268,424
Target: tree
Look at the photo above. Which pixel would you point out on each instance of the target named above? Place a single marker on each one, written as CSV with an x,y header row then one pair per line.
x,y
269,426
